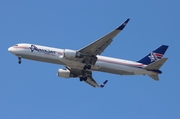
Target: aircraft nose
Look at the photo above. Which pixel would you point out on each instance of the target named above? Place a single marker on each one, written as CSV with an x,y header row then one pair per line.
x,y
10,49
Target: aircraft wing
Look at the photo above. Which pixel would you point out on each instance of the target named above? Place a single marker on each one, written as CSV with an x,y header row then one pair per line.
x,y
90,79
97,47
92,82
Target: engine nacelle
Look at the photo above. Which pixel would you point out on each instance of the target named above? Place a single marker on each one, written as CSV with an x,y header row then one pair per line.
x,y
64,73
70,54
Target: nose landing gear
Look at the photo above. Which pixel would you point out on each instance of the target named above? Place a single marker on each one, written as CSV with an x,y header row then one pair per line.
x,y
19,60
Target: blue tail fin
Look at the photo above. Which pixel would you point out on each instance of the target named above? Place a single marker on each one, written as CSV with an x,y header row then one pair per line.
x,y
154,55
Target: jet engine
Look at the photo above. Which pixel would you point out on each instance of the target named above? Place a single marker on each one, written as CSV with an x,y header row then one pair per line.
x,y
70,54
65,73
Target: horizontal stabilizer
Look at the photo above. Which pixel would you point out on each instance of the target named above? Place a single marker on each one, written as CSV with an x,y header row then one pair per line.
x,y
154,76
156,65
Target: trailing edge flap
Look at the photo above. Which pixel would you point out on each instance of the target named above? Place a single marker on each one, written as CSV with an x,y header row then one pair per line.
x,y
156,65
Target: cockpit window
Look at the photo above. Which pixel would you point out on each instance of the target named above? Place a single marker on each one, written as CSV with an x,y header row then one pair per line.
x,y
16,45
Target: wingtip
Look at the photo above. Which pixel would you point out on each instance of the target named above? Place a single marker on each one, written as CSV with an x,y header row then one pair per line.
x,y
127,20
121,27
103,84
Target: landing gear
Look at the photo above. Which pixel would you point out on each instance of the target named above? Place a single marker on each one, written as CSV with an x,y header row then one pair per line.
x,y
89,62
83,78
19,60
87,67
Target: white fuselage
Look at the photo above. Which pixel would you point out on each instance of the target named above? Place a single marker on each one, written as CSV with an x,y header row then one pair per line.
x,y
55,55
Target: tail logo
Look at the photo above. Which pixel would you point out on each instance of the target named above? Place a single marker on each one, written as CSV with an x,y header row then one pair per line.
x,y
155,56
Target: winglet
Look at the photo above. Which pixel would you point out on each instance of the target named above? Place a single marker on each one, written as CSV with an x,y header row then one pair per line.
x,y
103,84
123,25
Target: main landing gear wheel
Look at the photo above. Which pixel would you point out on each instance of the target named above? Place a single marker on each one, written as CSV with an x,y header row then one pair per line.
x,y
19,60
87,67
83,78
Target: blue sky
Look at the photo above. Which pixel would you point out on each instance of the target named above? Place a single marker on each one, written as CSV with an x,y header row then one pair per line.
x,y
33,91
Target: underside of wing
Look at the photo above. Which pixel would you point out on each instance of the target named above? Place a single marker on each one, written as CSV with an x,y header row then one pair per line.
x,y
92,82
87,76
97,47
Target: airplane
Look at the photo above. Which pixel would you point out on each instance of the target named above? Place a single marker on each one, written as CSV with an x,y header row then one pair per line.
x,y
81,63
